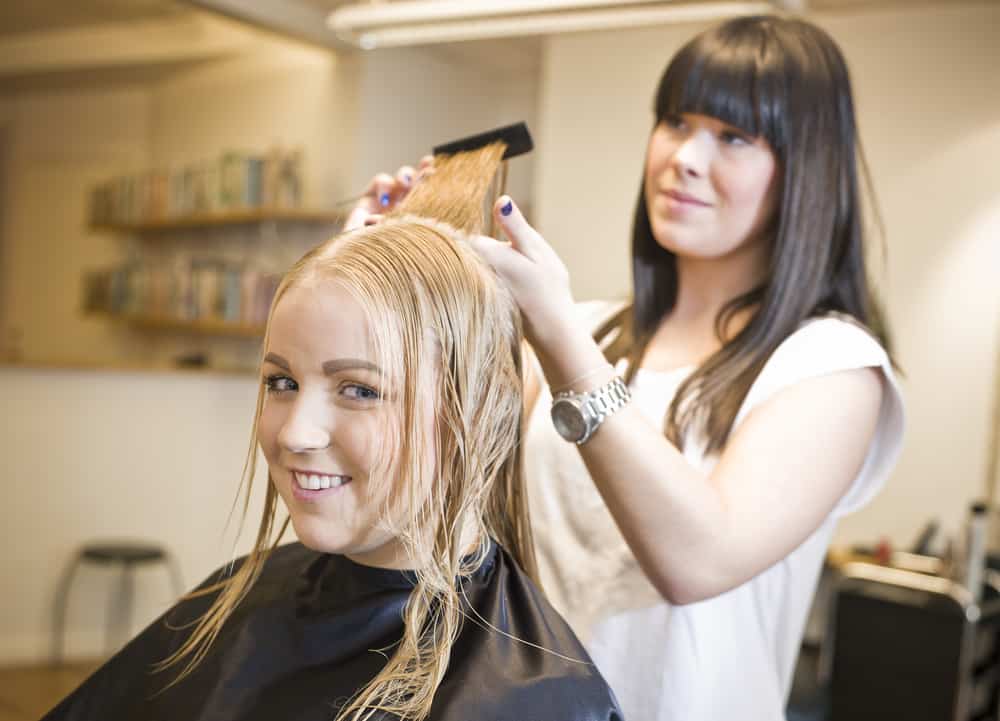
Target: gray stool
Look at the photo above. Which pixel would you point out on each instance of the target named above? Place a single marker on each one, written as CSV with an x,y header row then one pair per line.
x,y
127,554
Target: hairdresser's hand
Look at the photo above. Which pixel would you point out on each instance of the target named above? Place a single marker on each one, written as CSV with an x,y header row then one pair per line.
x,y
539,282
385,191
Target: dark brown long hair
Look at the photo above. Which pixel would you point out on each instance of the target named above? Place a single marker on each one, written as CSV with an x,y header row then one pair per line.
x,y
784,80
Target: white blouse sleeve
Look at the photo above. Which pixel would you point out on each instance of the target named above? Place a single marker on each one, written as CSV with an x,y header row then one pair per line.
x,y
829,345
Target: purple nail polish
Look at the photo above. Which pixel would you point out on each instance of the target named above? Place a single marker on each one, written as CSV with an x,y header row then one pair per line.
x,y
507,208
384,200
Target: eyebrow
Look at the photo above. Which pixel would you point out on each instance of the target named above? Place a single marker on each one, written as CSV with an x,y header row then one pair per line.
x,y
342,364
329,367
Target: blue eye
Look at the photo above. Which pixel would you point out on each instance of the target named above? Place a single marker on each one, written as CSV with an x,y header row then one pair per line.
x,y
360,393
279,384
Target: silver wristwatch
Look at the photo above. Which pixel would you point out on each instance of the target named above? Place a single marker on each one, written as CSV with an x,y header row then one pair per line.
x,y
577,415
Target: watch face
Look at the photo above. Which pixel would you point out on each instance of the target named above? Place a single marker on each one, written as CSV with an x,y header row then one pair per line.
x,y
568,420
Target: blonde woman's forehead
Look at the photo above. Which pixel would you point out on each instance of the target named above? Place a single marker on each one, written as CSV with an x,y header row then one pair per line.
x,y
316,323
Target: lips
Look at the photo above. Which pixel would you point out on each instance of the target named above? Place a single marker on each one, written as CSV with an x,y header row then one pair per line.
x,y
313,481
680,197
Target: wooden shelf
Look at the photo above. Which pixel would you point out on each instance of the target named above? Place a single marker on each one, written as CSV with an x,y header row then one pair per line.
x,y
236,217
200,327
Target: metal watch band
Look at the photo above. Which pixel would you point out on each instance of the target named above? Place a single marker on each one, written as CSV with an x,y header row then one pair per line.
x,y
609,398
593,407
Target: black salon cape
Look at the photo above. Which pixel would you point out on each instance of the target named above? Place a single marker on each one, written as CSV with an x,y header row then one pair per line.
x,y
303,642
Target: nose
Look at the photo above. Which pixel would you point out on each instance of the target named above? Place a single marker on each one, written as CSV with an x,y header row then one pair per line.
x,y
306,428
693,155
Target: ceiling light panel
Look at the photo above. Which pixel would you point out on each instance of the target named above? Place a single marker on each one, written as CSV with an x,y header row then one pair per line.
x,y
417,22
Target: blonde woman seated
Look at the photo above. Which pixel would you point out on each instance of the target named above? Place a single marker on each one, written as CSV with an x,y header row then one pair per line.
x,y
390,419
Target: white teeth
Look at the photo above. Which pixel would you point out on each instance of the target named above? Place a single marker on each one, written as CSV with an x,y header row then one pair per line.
x,y
315,482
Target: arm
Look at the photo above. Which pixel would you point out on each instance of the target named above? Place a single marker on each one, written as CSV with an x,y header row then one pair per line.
x,y
532,382
698,535
779,476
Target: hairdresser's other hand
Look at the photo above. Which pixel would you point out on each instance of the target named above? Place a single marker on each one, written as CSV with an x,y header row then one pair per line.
x,y
539,282
385,191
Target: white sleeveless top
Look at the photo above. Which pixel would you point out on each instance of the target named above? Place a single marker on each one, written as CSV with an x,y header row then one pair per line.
x,y
728,657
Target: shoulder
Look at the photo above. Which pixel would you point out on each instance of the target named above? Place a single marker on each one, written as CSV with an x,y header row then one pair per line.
x,y
572,688
833,370
519,647
821,347
282,570
530,622
281,560
827,344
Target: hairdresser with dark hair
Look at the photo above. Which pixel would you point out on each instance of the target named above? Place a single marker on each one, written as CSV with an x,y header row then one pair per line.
x,y
705,438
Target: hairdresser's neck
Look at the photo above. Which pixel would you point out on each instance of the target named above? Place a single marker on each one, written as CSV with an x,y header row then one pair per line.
x,y
706,285
687,336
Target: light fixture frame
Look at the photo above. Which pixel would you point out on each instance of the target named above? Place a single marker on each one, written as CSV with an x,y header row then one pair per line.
x,y
422,22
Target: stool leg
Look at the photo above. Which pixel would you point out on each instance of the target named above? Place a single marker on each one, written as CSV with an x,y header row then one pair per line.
x,y
122,615
111,615
59,609
128,600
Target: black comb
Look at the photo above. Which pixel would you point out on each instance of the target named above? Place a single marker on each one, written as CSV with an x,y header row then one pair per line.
x,y
516,136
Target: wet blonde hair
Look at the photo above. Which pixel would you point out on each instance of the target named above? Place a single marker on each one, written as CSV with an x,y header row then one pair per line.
x,y
423,289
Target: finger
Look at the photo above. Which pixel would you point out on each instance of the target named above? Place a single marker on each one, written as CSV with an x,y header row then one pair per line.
x,y
402,184
522,236
425,167
506,261
382,187
357,217
404,178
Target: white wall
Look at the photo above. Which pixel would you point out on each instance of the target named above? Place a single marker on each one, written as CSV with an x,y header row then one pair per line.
x,y
931,122
412,99
929,111
109,455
